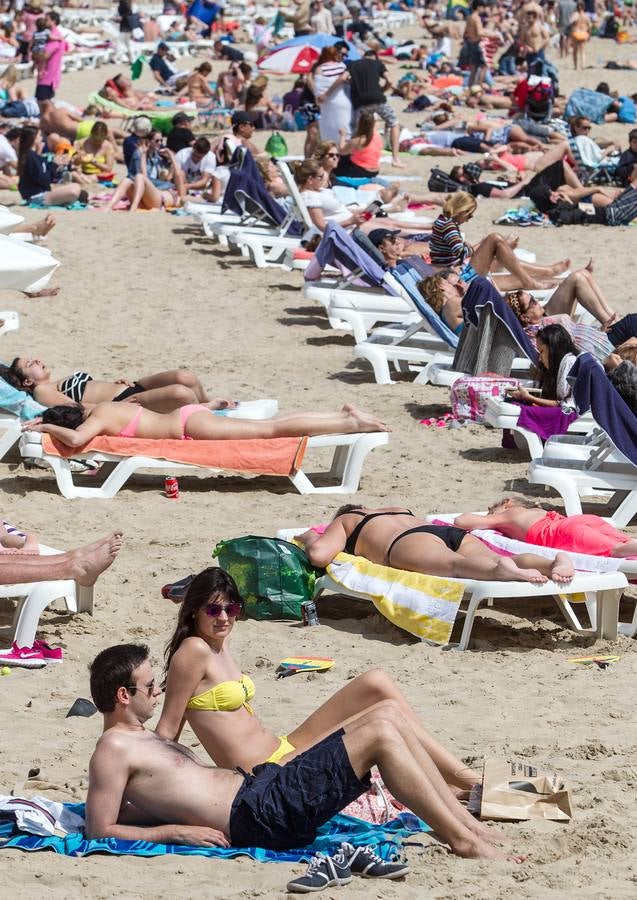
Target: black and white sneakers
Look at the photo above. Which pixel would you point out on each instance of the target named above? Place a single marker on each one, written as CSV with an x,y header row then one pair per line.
x,y
366,862
323,872
331,871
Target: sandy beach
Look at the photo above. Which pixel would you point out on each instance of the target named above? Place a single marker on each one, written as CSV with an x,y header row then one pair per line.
x,y
146,292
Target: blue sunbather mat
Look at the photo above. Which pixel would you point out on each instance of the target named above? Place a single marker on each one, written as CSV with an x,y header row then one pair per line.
x,y
386,840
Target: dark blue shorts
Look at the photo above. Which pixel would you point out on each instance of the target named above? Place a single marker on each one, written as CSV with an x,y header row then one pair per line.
x,y
282,807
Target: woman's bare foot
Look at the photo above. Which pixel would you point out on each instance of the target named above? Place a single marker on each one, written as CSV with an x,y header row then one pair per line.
x,y
562,570
610,322
42,227
507,570
513,241
89,565
45,292
221,403
363,421
398,164
479,849
589,265
561,267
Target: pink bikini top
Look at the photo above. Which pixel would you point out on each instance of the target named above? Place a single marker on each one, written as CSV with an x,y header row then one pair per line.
x,y
131,429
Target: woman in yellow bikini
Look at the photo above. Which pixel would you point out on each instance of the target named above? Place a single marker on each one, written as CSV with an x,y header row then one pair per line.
x,y
97,154
206,688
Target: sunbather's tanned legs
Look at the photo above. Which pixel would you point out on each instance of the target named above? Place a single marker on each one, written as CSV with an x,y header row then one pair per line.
x,y
495,247
383,738
359,696
428,554
580,287
83,565
176,376
203,426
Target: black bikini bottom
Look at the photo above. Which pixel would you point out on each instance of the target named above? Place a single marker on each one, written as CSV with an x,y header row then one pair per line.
x,y
137,388
449,534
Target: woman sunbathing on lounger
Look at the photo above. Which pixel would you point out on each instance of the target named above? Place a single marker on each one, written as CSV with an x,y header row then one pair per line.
x,y
524,520
445,290
396,537
76,426
206,688
162,392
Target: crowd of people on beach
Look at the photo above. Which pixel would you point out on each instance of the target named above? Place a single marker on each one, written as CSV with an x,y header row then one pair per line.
x,y
485,79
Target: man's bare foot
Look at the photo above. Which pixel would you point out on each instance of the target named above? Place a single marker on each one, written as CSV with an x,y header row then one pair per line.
x,y
479,849
42,227
87,568
398,164
507,570
89,548
45,292
363,421
562,570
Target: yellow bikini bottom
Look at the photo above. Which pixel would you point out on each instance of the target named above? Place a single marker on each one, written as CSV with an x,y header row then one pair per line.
x,y
284,748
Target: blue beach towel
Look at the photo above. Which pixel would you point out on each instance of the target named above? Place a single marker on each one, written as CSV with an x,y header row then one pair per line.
x,y
386,840
38,204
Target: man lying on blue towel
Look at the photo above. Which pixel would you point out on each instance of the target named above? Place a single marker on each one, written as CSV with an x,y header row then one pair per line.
x,y
143,787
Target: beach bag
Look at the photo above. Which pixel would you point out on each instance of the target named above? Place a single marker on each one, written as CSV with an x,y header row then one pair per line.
x,y
470,394
440,182
539,100
274,577
276,145
516,792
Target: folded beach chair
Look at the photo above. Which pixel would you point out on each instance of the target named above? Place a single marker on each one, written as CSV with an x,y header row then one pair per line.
x,y
607,464
393,596
366,293
35,596
492,340
276,456
583,563
408,346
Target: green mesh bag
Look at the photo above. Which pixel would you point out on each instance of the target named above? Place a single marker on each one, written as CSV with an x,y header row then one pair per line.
x,y
274,577
276,145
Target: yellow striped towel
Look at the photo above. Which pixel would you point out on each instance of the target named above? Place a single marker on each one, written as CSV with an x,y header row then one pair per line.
x,y
423,605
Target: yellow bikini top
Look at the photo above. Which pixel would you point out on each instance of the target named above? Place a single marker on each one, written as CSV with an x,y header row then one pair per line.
x,y
229,695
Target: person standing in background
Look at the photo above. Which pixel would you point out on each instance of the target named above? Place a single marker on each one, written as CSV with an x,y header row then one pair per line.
x,y
50,72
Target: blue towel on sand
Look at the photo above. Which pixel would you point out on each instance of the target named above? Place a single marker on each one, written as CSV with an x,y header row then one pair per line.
x,y
386,840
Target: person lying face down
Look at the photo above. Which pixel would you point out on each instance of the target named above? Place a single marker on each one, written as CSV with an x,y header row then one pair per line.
x,y
524,520
144,787
395,537
76,425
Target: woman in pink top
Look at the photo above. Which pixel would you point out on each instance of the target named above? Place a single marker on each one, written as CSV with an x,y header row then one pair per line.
x,y
360,156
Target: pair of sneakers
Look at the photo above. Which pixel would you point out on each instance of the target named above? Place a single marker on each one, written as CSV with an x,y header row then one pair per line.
x,y
40,654
330,871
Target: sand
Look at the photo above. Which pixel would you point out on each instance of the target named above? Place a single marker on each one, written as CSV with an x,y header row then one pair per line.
x,y
146,292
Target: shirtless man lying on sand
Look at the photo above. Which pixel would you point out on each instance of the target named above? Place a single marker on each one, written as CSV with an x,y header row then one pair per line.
x,y
144,787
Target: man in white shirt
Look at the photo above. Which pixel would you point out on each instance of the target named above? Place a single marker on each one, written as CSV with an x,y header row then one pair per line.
x,y
198,164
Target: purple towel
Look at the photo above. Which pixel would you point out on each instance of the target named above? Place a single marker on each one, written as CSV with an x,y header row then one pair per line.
x,y
545,421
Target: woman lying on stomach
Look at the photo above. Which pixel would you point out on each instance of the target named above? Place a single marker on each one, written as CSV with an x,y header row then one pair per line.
x,y
76,426
162,392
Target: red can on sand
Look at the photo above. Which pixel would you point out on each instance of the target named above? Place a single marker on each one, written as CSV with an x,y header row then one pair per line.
x,y
171,488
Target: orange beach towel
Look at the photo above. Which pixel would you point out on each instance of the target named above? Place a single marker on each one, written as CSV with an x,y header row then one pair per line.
x,y
264,456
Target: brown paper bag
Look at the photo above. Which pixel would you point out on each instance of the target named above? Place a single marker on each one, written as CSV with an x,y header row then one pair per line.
x,y
515,791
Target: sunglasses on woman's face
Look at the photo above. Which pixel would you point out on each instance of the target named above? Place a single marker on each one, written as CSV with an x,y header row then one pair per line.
x,y
332,155
214,610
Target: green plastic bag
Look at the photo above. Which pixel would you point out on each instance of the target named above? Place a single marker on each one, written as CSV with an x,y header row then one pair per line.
x,y
274,577
276,145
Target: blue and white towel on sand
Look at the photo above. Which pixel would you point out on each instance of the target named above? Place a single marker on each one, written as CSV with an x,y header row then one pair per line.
x,y
386,840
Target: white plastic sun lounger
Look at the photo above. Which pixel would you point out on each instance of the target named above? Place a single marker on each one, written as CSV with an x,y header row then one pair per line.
x,y
34,597
606,588
601,564
348,452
